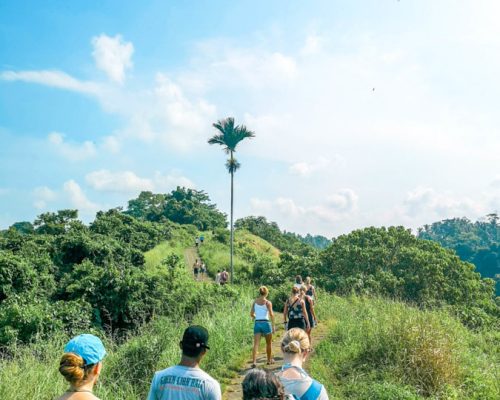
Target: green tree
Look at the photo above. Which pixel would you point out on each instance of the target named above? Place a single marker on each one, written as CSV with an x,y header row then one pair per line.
x,y
228,136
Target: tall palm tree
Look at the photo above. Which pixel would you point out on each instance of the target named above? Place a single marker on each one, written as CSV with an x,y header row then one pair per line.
x,y
228,137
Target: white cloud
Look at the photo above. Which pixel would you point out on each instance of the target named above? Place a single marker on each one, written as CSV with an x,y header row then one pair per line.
x,y
344,200
128,182
43,195
304,168
111,144
318,218
495,183
56,79
112,55
168,182
312,45
78,199
427,201
122,181
70,151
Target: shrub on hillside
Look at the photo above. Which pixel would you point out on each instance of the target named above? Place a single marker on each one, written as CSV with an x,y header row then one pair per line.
x,y
394,263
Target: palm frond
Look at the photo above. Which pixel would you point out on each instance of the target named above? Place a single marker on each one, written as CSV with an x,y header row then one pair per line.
x,y
230,135
232,165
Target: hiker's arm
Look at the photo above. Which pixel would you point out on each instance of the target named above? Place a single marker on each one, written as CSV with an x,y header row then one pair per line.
x,y
305,314
271,314
311,303
252,310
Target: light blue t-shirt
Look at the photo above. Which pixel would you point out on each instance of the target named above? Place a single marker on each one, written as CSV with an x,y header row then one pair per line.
x,y
184,383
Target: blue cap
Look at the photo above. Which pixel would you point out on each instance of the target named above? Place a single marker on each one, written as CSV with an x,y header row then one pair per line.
x,y
87,346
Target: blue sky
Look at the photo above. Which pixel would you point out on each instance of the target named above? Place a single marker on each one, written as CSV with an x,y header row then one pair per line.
x,y
366,112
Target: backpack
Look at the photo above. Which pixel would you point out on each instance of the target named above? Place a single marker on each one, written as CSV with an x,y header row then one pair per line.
x,y
223,276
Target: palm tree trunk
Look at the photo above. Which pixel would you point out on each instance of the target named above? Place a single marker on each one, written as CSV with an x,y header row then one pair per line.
x,y
232,233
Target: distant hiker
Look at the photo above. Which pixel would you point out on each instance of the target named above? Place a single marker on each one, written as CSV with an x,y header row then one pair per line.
x,y
196,270
261,384
295,347
196,241
81,365
203,269
298,282
262,313
202,239
310,289
187,381
295,311
224,276
217,278
311,315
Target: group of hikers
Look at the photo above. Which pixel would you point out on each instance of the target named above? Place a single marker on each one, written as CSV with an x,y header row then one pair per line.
x,y
200,270
81,363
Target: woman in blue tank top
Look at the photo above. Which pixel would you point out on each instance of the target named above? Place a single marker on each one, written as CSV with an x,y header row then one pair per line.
x,y
262,313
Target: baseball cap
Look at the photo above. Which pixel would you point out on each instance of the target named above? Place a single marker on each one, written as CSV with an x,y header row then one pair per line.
x,y
87,346
195,336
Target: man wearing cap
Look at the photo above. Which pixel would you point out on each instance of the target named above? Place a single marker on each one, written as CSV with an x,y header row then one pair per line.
x,y
187,381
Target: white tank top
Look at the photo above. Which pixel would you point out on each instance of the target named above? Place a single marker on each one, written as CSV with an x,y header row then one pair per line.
x,y
261,312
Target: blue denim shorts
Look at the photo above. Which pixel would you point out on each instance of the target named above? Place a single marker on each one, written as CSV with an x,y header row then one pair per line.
x,y
262,327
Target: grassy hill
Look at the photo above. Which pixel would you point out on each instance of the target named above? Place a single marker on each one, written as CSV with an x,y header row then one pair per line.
x,y
250,251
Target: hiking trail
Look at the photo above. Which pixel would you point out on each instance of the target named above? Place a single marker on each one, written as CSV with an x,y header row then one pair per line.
x,y
233,390
190,256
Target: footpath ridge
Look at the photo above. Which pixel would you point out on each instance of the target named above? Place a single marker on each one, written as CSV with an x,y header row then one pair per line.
x,y
233,390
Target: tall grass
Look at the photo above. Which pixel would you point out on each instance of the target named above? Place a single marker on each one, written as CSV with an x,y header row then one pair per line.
x,y
32,371
378,349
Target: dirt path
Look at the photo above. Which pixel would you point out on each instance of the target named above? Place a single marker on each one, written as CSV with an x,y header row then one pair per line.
x,y
190,256
233,390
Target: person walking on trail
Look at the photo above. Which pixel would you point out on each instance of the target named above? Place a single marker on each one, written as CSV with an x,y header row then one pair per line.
x,y
197,241
81,365
196,270
260,384
298,282
187,381
203,269
224,277
297,383
217,278
263,316
295,312
311,315
310,289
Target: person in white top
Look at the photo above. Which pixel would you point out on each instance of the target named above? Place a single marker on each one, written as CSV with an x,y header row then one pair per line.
x,y
295,348
187,381
262,313
217,278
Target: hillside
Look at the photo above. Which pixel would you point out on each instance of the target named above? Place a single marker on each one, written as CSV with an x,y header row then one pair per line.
x,y
406,318
475,242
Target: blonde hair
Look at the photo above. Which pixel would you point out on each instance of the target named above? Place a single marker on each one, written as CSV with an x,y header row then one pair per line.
x,y
303,289
308,280
73,368
295,290
295,341
264,291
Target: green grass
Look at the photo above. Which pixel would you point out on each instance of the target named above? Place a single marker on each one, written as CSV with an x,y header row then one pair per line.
x,y
247,248
378,349
32,373
181,238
